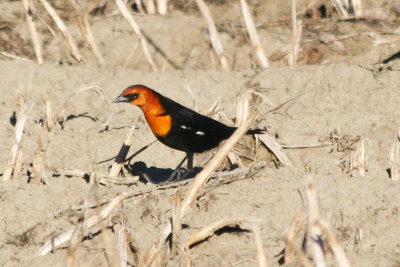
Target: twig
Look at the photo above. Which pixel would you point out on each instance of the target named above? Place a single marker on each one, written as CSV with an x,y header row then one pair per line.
x,y
261,259
340,9
176,222
162,6
14,56
297,31
123,246
15,156
337,248
150,7
289,240
394,159
358,158
120,158
255,40
275,148
125,12
38,162
313,229
89,223
212,30
95,88
84,26
32,28
64,30
209,230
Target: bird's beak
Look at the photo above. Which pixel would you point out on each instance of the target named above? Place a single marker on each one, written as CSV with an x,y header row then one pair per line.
x,y
121,98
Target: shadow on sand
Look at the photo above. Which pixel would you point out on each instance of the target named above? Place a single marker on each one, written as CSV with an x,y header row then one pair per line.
x,y
160,175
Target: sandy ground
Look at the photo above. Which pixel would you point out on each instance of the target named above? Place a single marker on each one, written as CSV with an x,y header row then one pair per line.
x,y
336,97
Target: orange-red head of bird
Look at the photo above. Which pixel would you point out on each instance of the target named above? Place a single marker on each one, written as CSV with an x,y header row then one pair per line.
x,y
148,101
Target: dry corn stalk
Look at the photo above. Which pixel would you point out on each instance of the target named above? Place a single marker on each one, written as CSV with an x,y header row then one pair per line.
x,y
358,158
84,26
317,229
297,31
275,148
64,30
89,223
314,231
38,162
15,156
123,246
162,6
212,30
291,236
394,160
340,9
335,246
176,222
50,120
242,113
255,40
127,15
357,6
209,230
32,28
150,7
120,158
261,259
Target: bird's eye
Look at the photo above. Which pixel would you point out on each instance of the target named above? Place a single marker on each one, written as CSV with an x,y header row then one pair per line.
x,y
133,96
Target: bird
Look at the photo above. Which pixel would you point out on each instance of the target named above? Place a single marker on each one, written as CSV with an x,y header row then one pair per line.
x,y
175,125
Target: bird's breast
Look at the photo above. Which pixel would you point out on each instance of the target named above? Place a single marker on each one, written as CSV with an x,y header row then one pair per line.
x,y
159,124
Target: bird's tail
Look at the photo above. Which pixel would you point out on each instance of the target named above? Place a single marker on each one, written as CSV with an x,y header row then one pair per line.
x,y
256,131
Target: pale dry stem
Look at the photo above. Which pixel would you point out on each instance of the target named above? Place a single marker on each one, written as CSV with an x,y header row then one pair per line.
x,y
84,26
64,30
291,236
394,160
95,88
32,28
336,247
120,158
176,222
275,148
38,162
209,230
127,15
214,36
314,231
89,223
261,258
16,155
358,158
162,6
255,40
297,32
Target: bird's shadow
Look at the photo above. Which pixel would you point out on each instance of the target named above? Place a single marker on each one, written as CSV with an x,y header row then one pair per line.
x,y
156,175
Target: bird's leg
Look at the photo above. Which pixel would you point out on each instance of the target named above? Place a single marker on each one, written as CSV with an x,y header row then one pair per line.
x,y
177,170
189,156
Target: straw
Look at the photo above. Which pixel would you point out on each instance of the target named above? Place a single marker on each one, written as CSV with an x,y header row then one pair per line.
x,y
255,40
32,28
212,30
64,30
127,15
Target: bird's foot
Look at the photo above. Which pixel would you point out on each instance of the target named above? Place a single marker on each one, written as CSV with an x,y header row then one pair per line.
x,y
178,175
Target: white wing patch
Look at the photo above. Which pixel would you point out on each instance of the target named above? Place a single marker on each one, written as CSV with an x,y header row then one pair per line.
x,y
184,127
